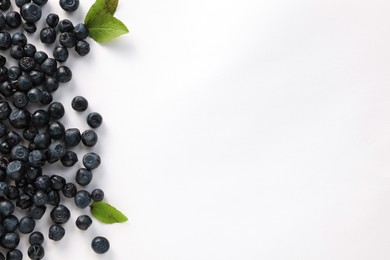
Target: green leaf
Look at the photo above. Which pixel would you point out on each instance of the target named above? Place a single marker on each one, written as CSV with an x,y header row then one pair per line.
x,y
101,7
106,213
105,28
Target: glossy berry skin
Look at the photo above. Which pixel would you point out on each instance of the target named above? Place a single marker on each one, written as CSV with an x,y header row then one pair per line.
x,y
5,40
83,177
97,195
60,53
82,199
83,222
40,118
100,245
34,95
89,138
10,223
14,72
72,137
36,252
63,74
91,161
7,208
65,26
42,141
52,20
56,232
11,192
36,212
30,27
13,19
31,12
5,110
49,66
56,110
40,2
20,152
57,182
69,159
43,183
53,198
80,31
26,225
55,151
40,198
47,98
14,254
56,130
69,5
82,48
69,190
37,77
5,5
79,103
94,120
19,118
19,3
67,39
60,214
19,99
10,240
30,50
37,158
25,83
17,51
27,64
50,84
36,238
15,171
48,35
40,57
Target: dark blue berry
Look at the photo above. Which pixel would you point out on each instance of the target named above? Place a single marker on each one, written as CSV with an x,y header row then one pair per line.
x,y
40,118
51,84
56,232
19,118
81,31
42,141
79,103
20,152
47,98
15,170
55,151
40,2
25,82
89,138
72,137
56,110
17,51
69,5
53,198
49,66
83,177
30,27
52,20
30,50
5,110
43,183
10,240
31,12
19,38
34,95
94,120
67,39
3,129
7,207
97,195
10,223
57,182
40,57
36,238
5,40
91,160
83,222
82,199
60,214
82,48
24,201
19,3
65,26
27,64
19,99
37,77
100,245
11,192
5,5
69,159
36,252
3,23
64,74
48,35
40,198
37,158
14,72
12,137
26,225
36,212
69,190
14,254
13,19
60,53
56,130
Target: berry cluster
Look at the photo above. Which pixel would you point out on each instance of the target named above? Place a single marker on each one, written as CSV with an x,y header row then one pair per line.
x,y
31,132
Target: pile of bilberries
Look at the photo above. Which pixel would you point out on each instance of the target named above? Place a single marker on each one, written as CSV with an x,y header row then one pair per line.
x,y
31,133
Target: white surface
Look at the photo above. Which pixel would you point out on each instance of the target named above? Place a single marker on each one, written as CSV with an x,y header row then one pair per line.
x,y
243,130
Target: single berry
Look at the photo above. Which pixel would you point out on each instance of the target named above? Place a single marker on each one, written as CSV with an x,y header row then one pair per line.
x,y
79,103
65,26
26,225
81,31
60,53
83,222
10,240
60,214
72,137
100,245
69,159
69,5
13,19
97,195
94,120
52,20
48,35
14,254
69,190
36,238
56,232
82,48
89,138
36,252
82,199
31,12
83,177
91,160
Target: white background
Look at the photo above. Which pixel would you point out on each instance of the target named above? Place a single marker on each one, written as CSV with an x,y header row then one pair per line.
x,y
244,129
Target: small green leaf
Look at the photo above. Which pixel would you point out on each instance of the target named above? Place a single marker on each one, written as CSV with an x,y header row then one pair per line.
x,y
106,213
106,28
101,7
